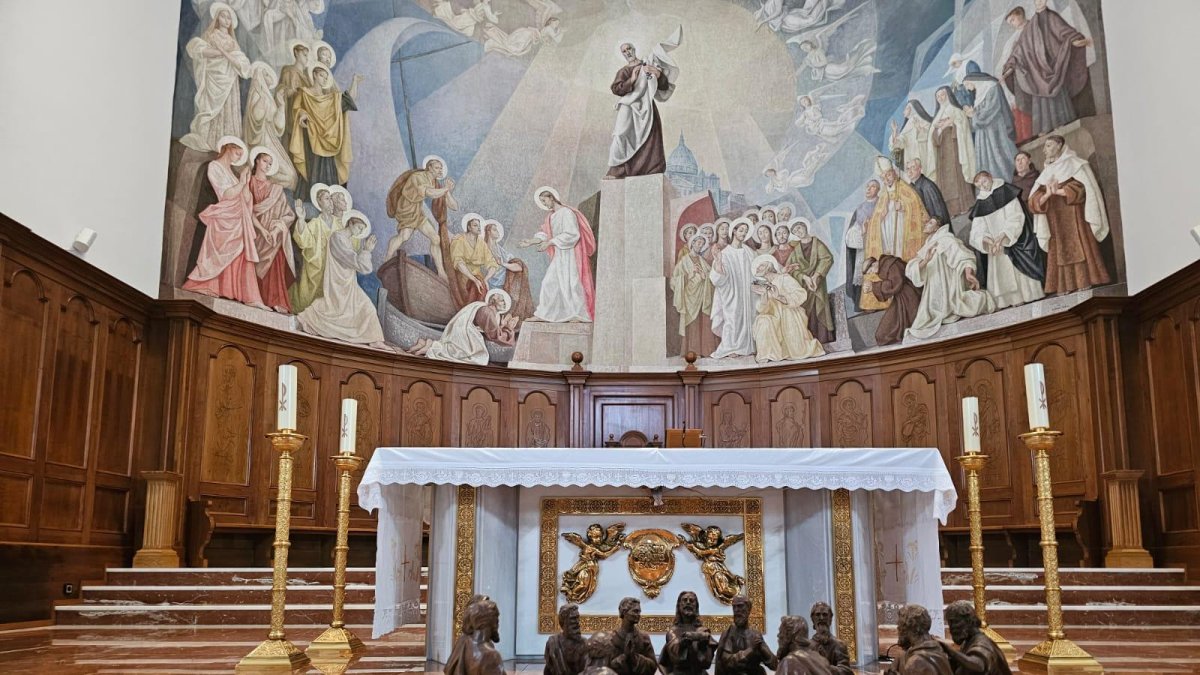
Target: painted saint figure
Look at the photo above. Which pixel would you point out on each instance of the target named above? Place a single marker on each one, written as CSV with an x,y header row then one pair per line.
x,y
217,66
693,296
344,312
1047,66
733,302
320,140
781,327
568,291
809,264
912,140
273,217
312,239
637,140
225,266
951,153
465,338
405,203
1070,220
884,279
265,122
895,227
992,125
945,269
471,261
1002,228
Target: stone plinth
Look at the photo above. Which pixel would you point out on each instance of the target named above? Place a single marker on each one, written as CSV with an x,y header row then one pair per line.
x,y
541,344
631,275
162,512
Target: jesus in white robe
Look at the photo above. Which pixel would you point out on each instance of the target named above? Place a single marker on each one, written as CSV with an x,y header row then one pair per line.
x,y
568,291
733,297
945,269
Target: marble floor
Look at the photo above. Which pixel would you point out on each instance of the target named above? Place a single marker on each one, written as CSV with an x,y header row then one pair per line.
x,y
200,650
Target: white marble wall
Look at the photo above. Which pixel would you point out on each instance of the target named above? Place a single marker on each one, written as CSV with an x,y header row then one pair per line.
x,y
439,626
809,543
496,557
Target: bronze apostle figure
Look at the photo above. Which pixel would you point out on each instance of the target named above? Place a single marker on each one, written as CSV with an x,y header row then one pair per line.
x,y
741,650
923,655
833,649
689,646
634,655
566,651
474,652
976,653
796,654
600,651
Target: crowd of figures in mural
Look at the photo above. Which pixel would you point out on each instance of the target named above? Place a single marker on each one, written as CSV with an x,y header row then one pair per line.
x,y
898,197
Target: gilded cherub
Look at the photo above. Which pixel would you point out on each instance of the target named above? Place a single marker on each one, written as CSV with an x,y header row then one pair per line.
x,y
708,544
579,582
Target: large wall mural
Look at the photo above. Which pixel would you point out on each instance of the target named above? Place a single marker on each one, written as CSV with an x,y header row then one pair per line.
x,y
426,176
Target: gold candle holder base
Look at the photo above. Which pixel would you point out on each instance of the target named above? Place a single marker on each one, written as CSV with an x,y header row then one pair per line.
x,y
339,642
1056,655
276,654
1005,647
335,641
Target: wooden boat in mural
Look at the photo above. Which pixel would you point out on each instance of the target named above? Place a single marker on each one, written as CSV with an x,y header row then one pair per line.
x,y
416,290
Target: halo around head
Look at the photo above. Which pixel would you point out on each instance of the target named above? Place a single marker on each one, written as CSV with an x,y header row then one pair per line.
x,y
429,158
468,218
343,191
263,150
740,221
785,205
312,71
770,233
504,296
495,225
358,215
316,189
696,236
216,8
759,261
266,72
537,196
234,140
297,42
317,46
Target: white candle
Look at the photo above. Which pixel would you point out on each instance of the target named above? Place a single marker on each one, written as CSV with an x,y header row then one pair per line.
x,y
1035,396
970,417
349,430
286,403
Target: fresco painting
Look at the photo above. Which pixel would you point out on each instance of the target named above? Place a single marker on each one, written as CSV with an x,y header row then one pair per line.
x,y
425,176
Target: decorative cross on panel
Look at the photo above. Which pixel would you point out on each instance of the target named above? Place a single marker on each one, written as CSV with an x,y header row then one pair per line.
x,y
898,562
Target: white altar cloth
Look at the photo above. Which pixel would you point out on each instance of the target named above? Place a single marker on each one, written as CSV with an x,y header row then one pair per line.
x,y
903,469
912,487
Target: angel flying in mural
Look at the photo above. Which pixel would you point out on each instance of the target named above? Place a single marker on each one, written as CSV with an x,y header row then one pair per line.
x,y
637,141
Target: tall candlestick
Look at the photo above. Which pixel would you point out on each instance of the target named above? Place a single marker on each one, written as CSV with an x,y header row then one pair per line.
x,y
1035,396
349,431
286,400
970,417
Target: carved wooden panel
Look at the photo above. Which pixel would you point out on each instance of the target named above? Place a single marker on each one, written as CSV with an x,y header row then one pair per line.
x,y
363,388
479,419
850,416
421,426
1070,463
536,421
914,400
731,421
122,367
109,510
16,495
1169,405
615,415
229,401
985,381
23,314
791,419
62,505
70,398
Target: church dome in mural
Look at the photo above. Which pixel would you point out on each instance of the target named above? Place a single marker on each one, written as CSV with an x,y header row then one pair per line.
x,y
440,178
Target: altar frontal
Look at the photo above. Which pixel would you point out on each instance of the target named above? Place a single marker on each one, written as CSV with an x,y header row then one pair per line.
x,y
536,529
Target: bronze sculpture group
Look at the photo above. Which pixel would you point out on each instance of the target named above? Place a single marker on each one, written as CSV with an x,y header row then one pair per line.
x,y
691,650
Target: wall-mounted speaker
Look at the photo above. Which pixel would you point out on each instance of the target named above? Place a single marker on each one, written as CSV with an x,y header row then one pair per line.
x,y
84,240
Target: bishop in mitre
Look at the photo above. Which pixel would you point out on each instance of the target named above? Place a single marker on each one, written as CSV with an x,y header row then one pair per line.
x,y
896,226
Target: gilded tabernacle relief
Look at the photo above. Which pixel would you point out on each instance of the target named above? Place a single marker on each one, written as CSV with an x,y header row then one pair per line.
x,y
599,543
708,544
436,178
651,557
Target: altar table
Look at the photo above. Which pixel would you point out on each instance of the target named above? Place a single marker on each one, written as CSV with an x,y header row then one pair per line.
x,y
856,527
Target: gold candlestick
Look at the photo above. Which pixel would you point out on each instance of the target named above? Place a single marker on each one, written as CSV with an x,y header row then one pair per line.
x,y
337,638
1056,654
974,462
276,654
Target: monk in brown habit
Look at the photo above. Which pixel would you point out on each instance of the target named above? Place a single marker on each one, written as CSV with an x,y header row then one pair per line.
x,y
1070,220
637,144
891,284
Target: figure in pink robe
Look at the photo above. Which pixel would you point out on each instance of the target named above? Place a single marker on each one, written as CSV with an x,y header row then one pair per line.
x,y
225,267
273,218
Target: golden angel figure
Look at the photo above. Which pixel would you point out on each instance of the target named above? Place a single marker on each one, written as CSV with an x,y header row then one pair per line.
x,y
708,544
579,582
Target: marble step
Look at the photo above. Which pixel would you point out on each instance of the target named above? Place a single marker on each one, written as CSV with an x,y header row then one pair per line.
x,y
222,595
208,615
1096,615
1069,576
1083,595
232,576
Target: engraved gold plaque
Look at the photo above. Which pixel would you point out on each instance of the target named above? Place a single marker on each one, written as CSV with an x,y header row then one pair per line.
x,y
651,559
